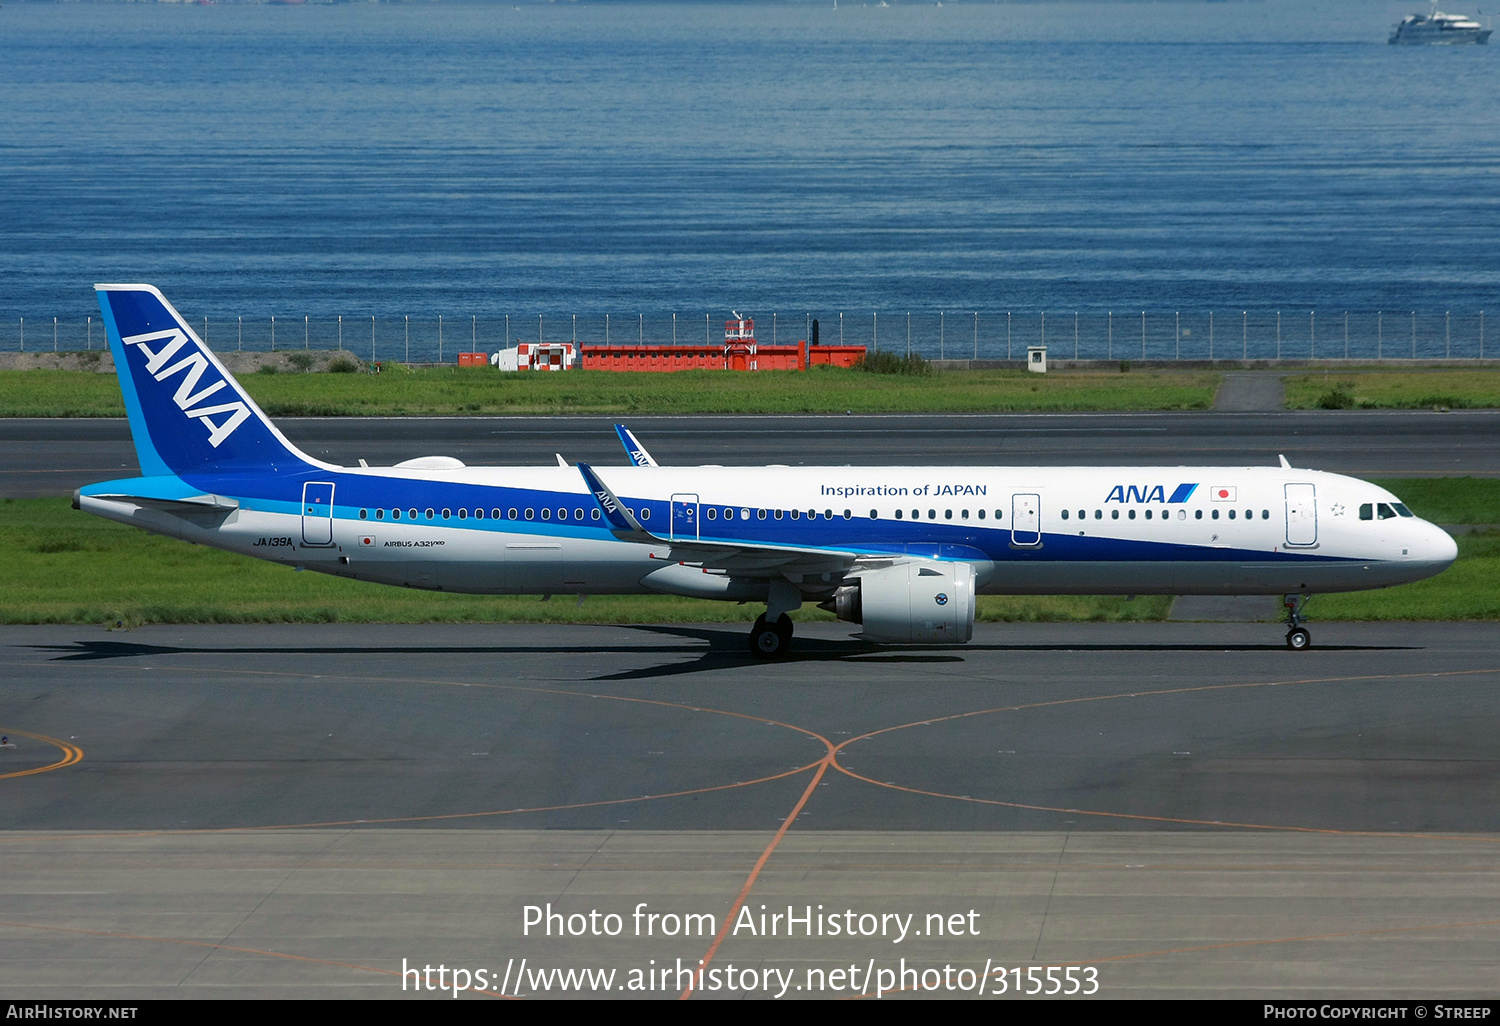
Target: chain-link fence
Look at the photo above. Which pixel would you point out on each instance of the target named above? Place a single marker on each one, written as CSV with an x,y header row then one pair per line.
x,y
949,334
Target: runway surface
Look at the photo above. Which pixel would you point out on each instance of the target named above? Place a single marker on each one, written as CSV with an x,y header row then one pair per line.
x,y
52,457
1189,807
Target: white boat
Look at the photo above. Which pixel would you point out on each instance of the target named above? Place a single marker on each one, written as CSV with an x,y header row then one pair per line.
x,y
1438,28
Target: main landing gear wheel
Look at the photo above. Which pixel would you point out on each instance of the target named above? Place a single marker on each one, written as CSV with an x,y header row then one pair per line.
x,y
771,641
1298,639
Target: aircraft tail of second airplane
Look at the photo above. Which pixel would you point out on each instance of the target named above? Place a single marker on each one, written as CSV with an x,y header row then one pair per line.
x,y
187,413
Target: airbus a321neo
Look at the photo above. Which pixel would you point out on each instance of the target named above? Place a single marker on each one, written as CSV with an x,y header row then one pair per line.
x,y
901,551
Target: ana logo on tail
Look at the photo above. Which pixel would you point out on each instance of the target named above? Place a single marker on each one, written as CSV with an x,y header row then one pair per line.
x,y
188,396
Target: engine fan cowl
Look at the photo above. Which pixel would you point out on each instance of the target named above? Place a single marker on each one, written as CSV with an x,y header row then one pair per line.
x,y
916,602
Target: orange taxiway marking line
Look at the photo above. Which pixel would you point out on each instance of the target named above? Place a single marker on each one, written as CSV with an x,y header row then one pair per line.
x,y
72,754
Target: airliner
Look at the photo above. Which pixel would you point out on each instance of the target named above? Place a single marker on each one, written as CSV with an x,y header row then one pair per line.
x,y
900,551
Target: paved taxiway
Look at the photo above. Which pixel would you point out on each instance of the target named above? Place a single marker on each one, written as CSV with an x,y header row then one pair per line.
x,y
52,457
291,810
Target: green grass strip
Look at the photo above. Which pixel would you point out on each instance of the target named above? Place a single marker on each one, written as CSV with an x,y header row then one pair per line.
x,y
1470,388
444,391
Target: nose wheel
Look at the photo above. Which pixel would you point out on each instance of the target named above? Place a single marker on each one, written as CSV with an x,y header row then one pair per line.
x,y
771,640
1297,637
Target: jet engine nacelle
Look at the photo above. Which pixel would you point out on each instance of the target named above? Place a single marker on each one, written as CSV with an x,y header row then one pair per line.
x,y
916,602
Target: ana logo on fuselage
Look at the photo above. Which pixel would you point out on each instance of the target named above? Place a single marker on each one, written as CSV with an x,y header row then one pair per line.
x,y
1150,493
188,396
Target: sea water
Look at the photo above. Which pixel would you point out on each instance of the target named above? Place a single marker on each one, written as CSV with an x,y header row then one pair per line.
x,y
530,170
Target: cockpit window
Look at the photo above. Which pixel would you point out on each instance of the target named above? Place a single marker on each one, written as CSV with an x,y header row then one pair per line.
x,y
1383,511
1401,508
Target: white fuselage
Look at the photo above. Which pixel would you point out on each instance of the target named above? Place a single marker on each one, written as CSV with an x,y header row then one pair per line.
x,y
1025,530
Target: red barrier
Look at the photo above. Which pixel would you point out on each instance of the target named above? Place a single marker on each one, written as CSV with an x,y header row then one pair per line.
x,y
733,356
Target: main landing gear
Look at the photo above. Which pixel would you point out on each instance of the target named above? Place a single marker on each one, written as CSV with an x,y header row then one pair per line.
x,y
771,640
1297,638
771,637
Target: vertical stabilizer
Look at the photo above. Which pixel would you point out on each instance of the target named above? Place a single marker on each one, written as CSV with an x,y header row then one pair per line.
x,y
187,413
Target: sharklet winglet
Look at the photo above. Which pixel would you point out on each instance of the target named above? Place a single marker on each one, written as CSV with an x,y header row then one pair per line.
x,y
622,523
633,448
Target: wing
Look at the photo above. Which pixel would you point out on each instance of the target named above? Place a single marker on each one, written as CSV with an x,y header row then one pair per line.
x,y
743,559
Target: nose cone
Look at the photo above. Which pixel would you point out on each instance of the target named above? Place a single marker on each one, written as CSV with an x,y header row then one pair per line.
x,y
1439,548
1431,551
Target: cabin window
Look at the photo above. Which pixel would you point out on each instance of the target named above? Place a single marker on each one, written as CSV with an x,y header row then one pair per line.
x,y
363,515
546,513
998,514
447,513
898,514
596,513
848,515
1265,514
1098,514
1148,514
932,514
1215,514
645,513
713,514
981,514
760,514
511,513
380,514
1065,514
1114,514
744,514
1131,514
964,515
947,514
776,513
479,514
874,515
411,514
395,514
429,513
463,514
530,513
1182,514
1231,514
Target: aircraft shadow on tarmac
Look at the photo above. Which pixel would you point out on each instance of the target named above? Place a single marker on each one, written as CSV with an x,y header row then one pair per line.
x,y
716,648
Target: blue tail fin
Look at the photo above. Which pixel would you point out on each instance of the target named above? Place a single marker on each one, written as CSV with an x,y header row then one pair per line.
x,y
187,414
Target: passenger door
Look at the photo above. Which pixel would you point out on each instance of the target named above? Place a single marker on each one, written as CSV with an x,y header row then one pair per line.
x,y
317,513
1301,514
1025,519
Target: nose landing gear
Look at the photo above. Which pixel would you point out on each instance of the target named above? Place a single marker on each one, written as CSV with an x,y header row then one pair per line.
x,y
1297,637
